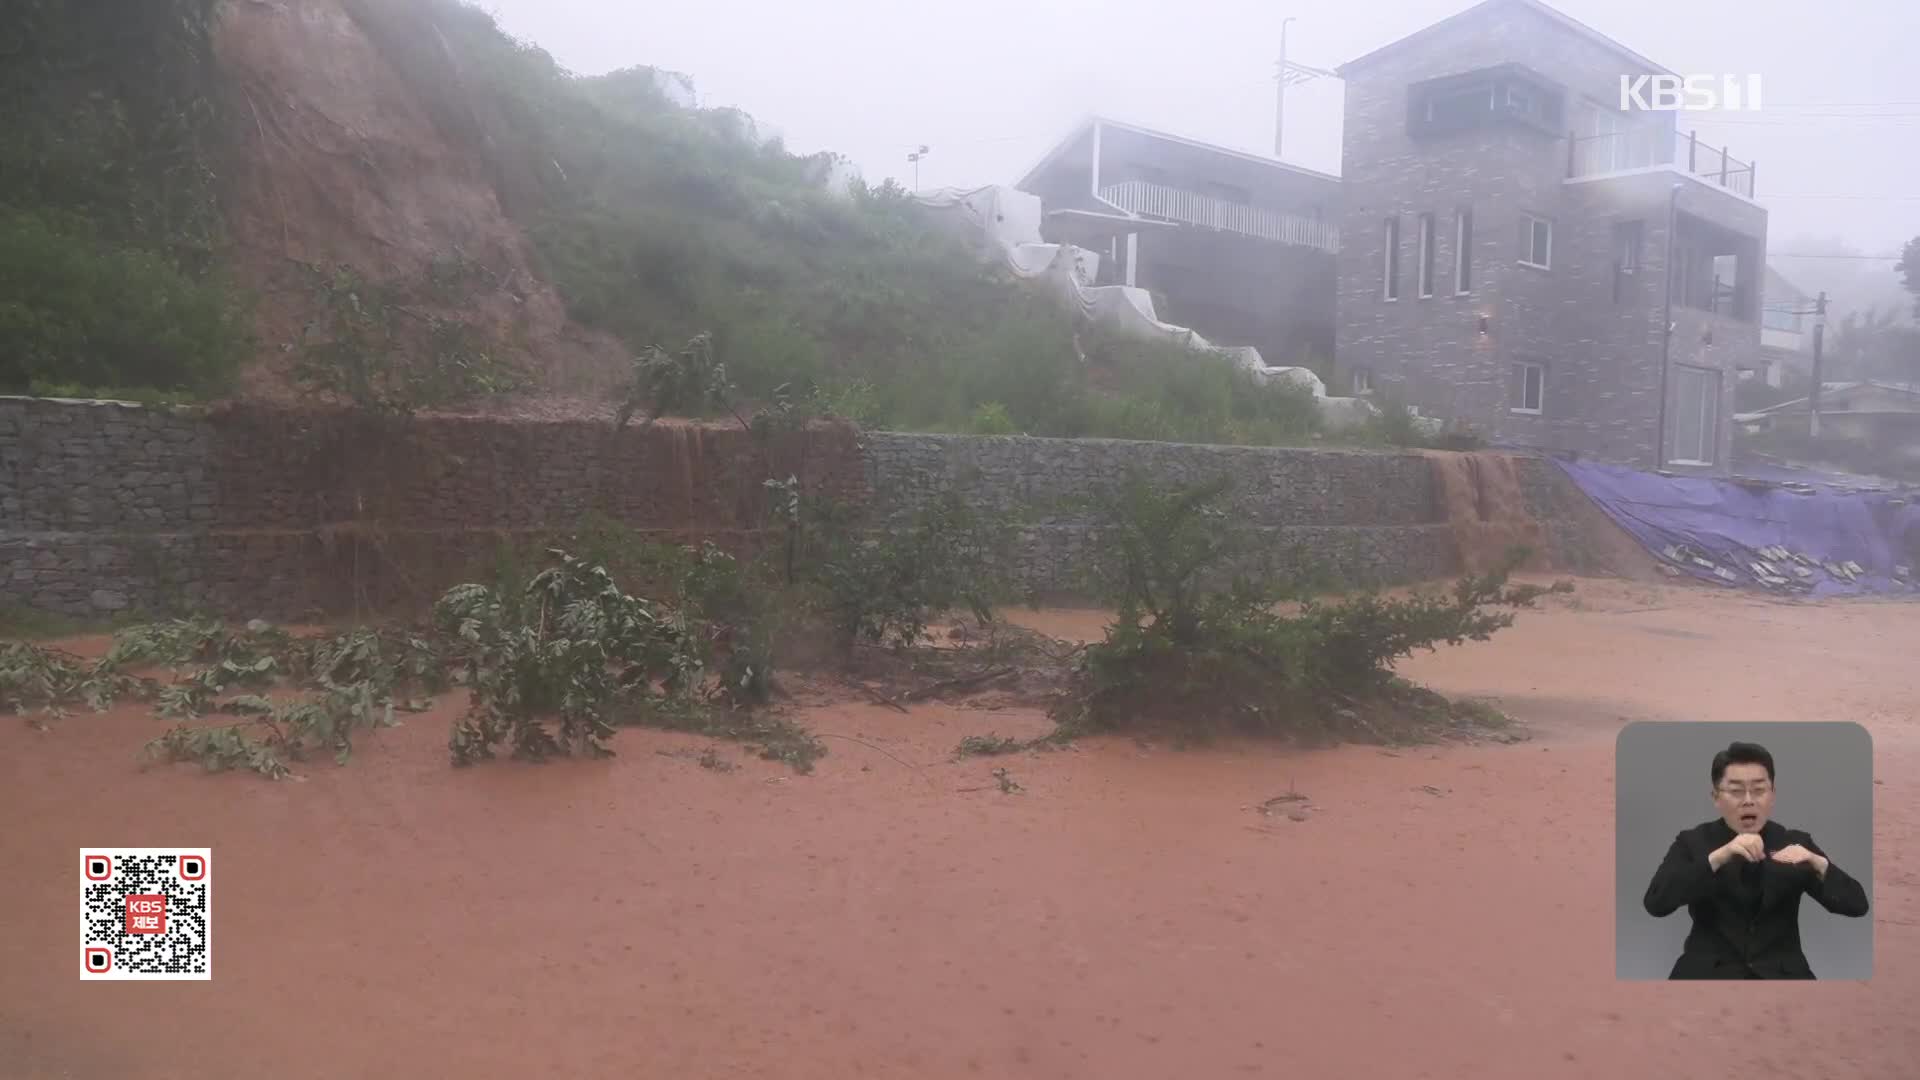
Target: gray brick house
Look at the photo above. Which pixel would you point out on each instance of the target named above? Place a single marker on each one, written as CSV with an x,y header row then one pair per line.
x,y
1521,255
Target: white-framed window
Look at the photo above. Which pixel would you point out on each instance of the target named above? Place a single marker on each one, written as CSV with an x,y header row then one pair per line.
x,y
1536,242
1462,251
1696,416
1527,387
1390,265
1426,255
1362,382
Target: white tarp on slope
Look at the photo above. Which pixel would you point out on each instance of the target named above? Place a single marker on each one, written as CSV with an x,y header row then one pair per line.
x,y
1001,222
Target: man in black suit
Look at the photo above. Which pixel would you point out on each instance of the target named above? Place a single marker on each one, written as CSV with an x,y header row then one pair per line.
x,y
1741,878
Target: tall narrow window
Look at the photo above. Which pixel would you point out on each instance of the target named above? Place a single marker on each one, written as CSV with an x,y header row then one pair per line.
x,y
1426,255
1536,242
1463,252
1390,266
1526,387
1626,255
1626,245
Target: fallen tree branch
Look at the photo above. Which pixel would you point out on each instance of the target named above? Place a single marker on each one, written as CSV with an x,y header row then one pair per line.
x,y
880,749
875,696
960,683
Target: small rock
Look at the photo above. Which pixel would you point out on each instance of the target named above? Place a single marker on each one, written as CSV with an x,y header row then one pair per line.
x,y
108,600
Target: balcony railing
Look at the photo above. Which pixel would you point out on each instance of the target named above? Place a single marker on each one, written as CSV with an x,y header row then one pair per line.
x,y
1598,155
1192,208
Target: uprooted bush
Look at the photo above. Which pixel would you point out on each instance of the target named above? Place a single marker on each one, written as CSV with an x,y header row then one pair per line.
x,y
554,665
350,681
1209,638
570,647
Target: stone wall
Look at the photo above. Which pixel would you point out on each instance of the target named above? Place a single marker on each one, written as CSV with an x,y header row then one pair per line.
x,y
1361,517
107,507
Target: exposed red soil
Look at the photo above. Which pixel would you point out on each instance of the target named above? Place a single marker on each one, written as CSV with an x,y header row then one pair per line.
x,y
1128,914
337,162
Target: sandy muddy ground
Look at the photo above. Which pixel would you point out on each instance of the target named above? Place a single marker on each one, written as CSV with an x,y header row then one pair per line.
x,y
1126,915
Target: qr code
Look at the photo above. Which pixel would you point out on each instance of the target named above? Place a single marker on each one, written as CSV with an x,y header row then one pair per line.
x,y
146,913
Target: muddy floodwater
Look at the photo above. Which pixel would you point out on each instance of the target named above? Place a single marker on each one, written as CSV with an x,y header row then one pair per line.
x,y
1127,912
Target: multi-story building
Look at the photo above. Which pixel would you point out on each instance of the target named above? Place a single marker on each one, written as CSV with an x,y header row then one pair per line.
x,y
1235,245
1520,254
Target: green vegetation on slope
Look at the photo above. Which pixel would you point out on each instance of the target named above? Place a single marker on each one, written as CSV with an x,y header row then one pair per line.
x,y
660,223
109,217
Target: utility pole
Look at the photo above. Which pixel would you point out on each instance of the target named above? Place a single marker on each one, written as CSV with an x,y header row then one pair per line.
x,y
1290,74
1280,90
1666,330
1819,336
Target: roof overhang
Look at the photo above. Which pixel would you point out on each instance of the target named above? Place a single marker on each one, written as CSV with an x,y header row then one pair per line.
x,y
1094,224
1073,136
1580,28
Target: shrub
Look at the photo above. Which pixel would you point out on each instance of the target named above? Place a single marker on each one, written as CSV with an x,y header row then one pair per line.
x,y
881,583
1200,640
992,418
571,647
373,348
78,313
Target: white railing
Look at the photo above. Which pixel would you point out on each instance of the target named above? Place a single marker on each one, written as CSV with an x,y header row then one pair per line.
x,y
1650,146
1193,208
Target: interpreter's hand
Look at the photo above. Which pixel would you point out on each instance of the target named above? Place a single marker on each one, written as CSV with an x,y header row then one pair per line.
x,y
1746,846
1796,855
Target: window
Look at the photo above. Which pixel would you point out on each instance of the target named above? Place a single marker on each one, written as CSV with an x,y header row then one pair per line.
x,y
1526,387
1362,382
1626,245
1726,284
1782,318
1506,95
1522,102
1696,415
1427,254
1626,255
1391,265
1459,107
1463,252
1536,242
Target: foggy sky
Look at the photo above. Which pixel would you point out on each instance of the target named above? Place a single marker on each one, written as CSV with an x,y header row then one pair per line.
x,y
990,85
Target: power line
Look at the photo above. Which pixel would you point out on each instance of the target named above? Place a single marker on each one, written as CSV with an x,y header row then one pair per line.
x,y
1866,258
1864,198
1801,120
1837,104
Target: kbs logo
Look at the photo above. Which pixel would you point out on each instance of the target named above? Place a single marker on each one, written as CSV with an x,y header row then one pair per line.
x,y
147,914
1693,93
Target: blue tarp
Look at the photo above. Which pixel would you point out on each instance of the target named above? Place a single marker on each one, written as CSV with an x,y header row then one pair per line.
x,y
1806,541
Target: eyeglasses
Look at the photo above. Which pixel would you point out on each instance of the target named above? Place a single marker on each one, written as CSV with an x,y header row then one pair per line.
x,y
1740,791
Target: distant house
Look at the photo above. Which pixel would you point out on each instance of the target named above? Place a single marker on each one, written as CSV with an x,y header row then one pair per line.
x,y
1520,254
1786,333
1235,245
1883,417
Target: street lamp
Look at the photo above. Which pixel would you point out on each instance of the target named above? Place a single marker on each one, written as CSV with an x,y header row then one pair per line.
x,y
915,158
